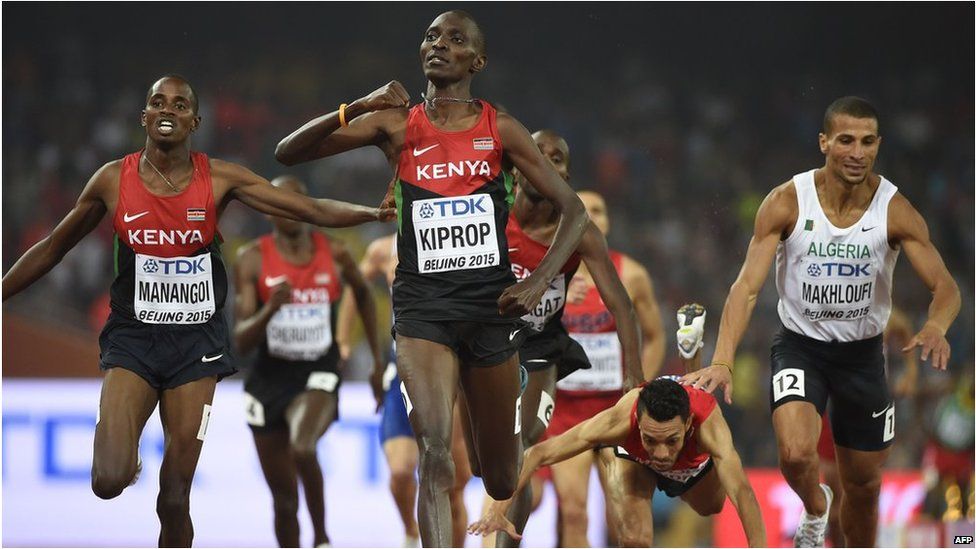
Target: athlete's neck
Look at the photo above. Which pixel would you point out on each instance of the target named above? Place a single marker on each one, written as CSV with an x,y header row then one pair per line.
x,y
444,104
841,196
293,243
166,158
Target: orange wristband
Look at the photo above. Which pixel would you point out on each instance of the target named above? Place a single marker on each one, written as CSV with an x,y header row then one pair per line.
x,y
342,115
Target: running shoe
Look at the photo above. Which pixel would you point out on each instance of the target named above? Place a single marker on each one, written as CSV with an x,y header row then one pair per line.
x,y
691,329
812,530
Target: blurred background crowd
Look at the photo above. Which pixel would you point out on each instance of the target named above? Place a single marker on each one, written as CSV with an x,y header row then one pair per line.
x,y
682,116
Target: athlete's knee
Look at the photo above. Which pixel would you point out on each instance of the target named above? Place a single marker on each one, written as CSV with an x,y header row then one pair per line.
x,y
573,513
436,463
712,507
109,484
794,456
863,487
634,534
401,479
500,482
304,452
285,503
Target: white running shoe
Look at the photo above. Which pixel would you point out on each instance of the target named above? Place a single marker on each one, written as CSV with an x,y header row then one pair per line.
x,y
691,329
812,530
410,541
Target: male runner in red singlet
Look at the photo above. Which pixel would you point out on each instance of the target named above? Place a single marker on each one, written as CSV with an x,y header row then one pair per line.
x,y
454,298
835,232
396,436
166,340
548,353
588,392
666,436
288,286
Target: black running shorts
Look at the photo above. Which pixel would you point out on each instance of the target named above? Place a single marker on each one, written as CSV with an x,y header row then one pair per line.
x,y
167,355
848,375
553,347
268,391
477,344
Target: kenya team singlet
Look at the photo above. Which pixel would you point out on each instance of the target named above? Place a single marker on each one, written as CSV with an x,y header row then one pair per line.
x,y
525,255
835,284
302,330
593,326
168,267
452,199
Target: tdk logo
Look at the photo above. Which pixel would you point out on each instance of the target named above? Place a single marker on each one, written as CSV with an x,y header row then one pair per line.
x,y
839,269
175,266
453,207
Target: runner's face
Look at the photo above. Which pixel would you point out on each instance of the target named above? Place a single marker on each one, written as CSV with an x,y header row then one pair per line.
x,y
663,440
449,52
596,208
851,147
556,152
169,116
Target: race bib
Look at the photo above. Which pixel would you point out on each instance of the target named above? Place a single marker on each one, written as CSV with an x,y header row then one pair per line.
x,y
553,300
174,290
606,372
455,233
836,288
300,331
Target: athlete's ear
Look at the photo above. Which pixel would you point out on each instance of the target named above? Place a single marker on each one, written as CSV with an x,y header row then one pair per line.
x,y
196,123
142,118
480,62
688,423
823,143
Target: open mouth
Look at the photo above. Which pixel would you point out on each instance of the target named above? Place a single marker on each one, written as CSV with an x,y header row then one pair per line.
x,y
165,127
436,60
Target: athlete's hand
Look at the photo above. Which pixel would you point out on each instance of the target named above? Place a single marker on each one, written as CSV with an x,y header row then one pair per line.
x,y
932,341
376,384
280,294
388,205
385,214
493,521
390,96
578,287
520,298
716,376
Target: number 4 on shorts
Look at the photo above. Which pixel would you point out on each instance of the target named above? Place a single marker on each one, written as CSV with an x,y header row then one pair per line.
x,y
788,382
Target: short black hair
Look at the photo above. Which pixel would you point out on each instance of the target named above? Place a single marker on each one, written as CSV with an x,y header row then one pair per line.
x,y
479,37
663,399
851,106
193,93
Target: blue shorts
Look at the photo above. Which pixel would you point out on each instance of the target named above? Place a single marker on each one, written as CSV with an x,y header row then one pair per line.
x,y
394,422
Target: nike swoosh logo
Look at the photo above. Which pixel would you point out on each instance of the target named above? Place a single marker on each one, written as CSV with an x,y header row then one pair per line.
x,y
510,250
270,281
418,152
511,336
876,414
533,360
211,358
863,230
127,218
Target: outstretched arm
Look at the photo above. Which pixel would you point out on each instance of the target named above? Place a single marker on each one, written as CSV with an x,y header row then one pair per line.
x,y
325,135
258,193
593,249
716,439
523,152
641,291
609,428
367,311
907,228
774,220
81,220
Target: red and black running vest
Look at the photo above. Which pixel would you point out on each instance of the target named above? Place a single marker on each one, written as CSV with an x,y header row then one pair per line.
x,y
592,325
526,255
452,198
691,459
302,330
168,267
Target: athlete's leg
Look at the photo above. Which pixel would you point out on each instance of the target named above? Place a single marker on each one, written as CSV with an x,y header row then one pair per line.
x,y
831,476
571,479
429,372
184,411
279,471
634,507
402,457
797,426
860,474
462,474
126,403
308,417
464,417
491,394
707,496
537,408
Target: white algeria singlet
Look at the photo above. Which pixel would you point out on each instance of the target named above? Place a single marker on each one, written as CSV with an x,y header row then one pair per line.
x,y
835,284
